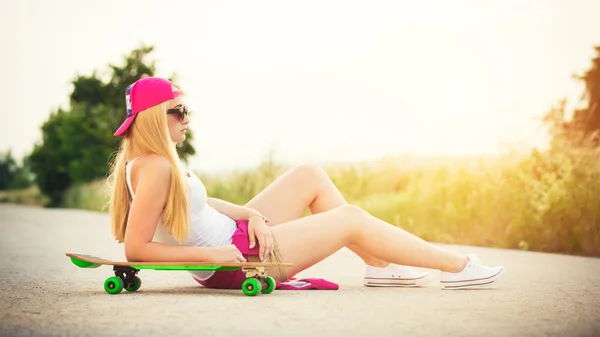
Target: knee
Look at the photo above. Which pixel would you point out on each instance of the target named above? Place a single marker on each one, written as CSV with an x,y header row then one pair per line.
x,y
311,171
355,221
354,214
310,168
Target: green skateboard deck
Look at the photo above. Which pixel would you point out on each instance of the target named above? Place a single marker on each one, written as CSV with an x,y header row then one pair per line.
x,y
257,278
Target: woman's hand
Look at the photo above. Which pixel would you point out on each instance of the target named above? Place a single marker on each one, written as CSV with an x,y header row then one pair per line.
x,y
229,253
259,230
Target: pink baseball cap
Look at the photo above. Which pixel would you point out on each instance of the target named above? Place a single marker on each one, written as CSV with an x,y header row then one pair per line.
x,y
143,94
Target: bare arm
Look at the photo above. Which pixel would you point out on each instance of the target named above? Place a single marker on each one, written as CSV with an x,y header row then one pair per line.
x,y
257,226
150,198
231,210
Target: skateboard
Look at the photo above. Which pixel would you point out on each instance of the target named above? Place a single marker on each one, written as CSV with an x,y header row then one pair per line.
x,y
257,278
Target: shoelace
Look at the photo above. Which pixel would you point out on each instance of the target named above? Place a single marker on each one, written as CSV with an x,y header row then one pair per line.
x,y
404,268
406,271
474,261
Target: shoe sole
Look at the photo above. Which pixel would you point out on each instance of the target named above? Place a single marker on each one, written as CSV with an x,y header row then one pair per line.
x,y
478,283
396,282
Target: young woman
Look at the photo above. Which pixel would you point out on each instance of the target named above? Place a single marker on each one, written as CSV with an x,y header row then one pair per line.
x,y
161,212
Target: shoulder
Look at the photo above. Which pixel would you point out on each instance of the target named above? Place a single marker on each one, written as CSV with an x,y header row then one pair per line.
x,y
154,165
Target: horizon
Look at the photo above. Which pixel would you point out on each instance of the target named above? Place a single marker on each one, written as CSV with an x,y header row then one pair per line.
x,y
261,79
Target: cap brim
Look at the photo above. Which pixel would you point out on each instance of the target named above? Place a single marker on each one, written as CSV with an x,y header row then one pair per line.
x,y
125,126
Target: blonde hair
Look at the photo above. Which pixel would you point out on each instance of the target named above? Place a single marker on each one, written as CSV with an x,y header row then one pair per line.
x,y
149,134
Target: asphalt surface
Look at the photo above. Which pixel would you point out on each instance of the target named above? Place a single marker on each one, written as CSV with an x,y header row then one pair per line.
x,y
44,294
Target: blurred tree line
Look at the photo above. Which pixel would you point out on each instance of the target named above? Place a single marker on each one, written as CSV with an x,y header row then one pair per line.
x,y
78,142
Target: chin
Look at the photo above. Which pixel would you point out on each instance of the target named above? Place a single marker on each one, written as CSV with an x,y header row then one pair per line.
x,y
178,139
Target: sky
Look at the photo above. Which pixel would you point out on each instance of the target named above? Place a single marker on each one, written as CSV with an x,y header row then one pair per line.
x,y
312,80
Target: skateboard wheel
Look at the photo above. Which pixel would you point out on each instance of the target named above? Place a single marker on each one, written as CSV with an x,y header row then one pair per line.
x,y
251,286
137,283
113,285
270,285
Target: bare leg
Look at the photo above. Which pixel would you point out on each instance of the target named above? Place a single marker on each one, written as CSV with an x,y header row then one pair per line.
x,y
309,240
305,186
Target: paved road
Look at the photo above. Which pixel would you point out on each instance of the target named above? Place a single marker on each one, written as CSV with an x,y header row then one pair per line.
x,y
43,294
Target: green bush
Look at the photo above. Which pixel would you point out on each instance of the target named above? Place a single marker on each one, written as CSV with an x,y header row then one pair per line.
x,y
93,196
29,196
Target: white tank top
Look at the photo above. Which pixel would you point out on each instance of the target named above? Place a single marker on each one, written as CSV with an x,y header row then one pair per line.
x,y
208,227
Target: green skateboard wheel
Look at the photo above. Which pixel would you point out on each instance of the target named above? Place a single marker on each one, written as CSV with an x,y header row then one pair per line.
x,y
270,285
137,283
113,285
251,286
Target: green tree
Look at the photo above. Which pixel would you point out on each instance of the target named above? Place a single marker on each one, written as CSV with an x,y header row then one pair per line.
x,y
12,176
583,128
588,118
77,143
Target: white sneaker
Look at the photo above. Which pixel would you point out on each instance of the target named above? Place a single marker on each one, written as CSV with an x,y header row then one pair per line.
x,y
473,275
394,276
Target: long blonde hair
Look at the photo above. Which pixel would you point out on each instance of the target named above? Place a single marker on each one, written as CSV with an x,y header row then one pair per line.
x,y
149,134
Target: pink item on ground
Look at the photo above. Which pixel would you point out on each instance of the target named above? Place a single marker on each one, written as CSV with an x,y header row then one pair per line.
x,y
307,284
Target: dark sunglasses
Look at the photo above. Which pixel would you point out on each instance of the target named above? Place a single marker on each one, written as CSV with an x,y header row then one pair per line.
x,y
181,112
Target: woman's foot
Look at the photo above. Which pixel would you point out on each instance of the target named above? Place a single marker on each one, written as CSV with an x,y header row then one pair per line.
x,y
394,275
473,275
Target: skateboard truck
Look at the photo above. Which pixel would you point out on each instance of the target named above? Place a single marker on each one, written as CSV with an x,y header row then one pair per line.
x,y
257,280
127,275
125,278
258,272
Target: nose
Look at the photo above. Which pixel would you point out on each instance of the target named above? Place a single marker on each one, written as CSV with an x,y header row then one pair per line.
x,y
186,120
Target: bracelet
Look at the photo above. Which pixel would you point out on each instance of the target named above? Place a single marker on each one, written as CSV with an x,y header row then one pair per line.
x,y
258,215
